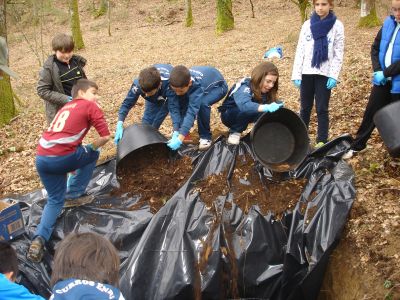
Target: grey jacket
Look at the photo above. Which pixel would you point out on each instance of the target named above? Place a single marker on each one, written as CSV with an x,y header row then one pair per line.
x,y
50,88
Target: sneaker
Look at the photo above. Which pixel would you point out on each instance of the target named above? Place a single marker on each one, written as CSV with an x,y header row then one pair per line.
x,y
74,202
36,250
349,154
234,138
204,144
319,145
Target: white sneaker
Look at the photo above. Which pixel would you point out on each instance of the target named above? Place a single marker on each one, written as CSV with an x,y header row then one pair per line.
x,y
204,144
234,138
349,154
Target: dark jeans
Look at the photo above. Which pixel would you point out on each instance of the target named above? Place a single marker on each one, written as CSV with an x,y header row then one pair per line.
x,y
155,113
236,120
314,87
380,96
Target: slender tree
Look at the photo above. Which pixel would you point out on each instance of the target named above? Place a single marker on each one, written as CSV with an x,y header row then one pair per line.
x,y
76,25
303,6
7,107
225,20
104,5
368,15
189,15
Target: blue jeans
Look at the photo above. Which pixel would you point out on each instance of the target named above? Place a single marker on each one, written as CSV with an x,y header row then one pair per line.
x,y
236,120
53,172
155,113
314,86
213,96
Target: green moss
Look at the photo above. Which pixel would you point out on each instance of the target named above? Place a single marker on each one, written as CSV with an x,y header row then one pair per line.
x,y
225,20
7,107
76,26
370,20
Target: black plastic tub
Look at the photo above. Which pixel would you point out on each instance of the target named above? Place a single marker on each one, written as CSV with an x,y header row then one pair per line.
x,y
137,136
387,121
279,140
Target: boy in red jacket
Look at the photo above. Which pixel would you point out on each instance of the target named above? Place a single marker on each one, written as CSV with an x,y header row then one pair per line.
x,y
60,151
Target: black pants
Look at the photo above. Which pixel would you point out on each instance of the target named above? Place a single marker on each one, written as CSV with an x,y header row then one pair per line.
x,y
314,86
380,96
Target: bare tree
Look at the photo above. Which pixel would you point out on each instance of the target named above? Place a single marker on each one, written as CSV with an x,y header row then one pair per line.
x,y
303,6
368,15
7,106
225,20
76,25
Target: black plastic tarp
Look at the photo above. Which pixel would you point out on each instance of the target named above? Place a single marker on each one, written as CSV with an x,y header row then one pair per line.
x,y
248,255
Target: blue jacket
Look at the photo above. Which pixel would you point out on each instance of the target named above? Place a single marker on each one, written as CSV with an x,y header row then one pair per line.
x,y
387,32
136,91
84,290
241,95
12,291
204,79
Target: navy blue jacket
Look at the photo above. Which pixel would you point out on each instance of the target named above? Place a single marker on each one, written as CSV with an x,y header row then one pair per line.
x,y
204,79
84,290
136,91
241,95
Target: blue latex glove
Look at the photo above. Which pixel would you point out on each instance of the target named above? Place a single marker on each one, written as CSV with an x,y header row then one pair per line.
x,y
118,132
331,83
271,107
175,134
297,83
379,78
69,99
174,143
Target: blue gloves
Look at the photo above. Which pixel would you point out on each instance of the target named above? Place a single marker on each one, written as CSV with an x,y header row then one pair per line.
x,y
271,107
175,134
331,83
379,78
174,143
118,132
297,83
69,99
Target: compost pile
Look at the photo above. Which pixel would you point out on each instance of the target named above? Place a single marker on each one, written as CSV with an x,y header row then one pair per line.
x,y
154,174
275,196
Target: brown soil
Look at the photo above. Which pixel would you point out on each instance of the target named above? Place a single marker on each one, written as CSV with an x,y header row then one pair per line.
x,y
153,174
248,189
147,32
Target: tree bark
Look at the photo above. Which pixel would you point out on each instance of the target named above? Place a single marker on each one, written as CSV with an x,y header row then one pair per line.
x,y
76,25
225,20
7,107
368,15
189,15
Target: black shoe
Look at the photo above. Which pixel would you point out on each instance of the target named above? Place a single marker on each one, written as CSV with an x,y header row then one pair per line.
x,y
36,249
82,200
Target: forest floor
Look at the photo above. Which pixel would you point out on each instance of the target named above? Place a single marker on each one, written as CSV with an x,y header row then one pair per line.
x,y
366,263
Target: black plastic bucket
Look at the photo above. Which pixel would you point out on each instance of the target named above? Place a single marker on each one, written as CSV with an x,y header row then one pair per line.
x,y
387,121
137,136
279,140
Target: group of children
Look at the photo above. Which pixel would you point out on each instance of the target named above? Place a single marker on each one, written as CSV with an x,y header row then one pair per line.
x,y
65,166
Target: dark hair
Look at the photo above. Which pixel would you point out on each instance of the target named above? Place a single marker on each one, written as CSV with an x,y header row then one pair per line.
x,y
86,256
82,84
8,259
63,42
179,77
149,79
257,77
329,1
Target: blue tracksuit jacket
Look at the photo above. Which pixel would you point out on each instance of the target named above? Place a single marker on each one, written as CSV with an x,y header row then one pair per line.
x,y
204,80
13,291
135,91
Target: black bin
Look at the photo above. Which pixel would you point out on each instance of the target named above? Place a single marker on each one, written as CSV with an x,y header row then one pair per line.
x,y
387,121
136,137
279,140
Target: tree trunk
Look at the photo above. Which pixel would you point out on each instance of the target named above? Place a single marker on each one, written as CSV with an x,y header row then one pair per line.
x,y
189,15
368,15
76,25
303,6
7,107
225,20
103,8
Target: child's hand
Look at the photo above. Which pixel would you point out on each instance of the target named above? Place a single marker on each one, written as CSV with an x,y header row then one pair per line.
x,y
331,83
271,107
297,83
